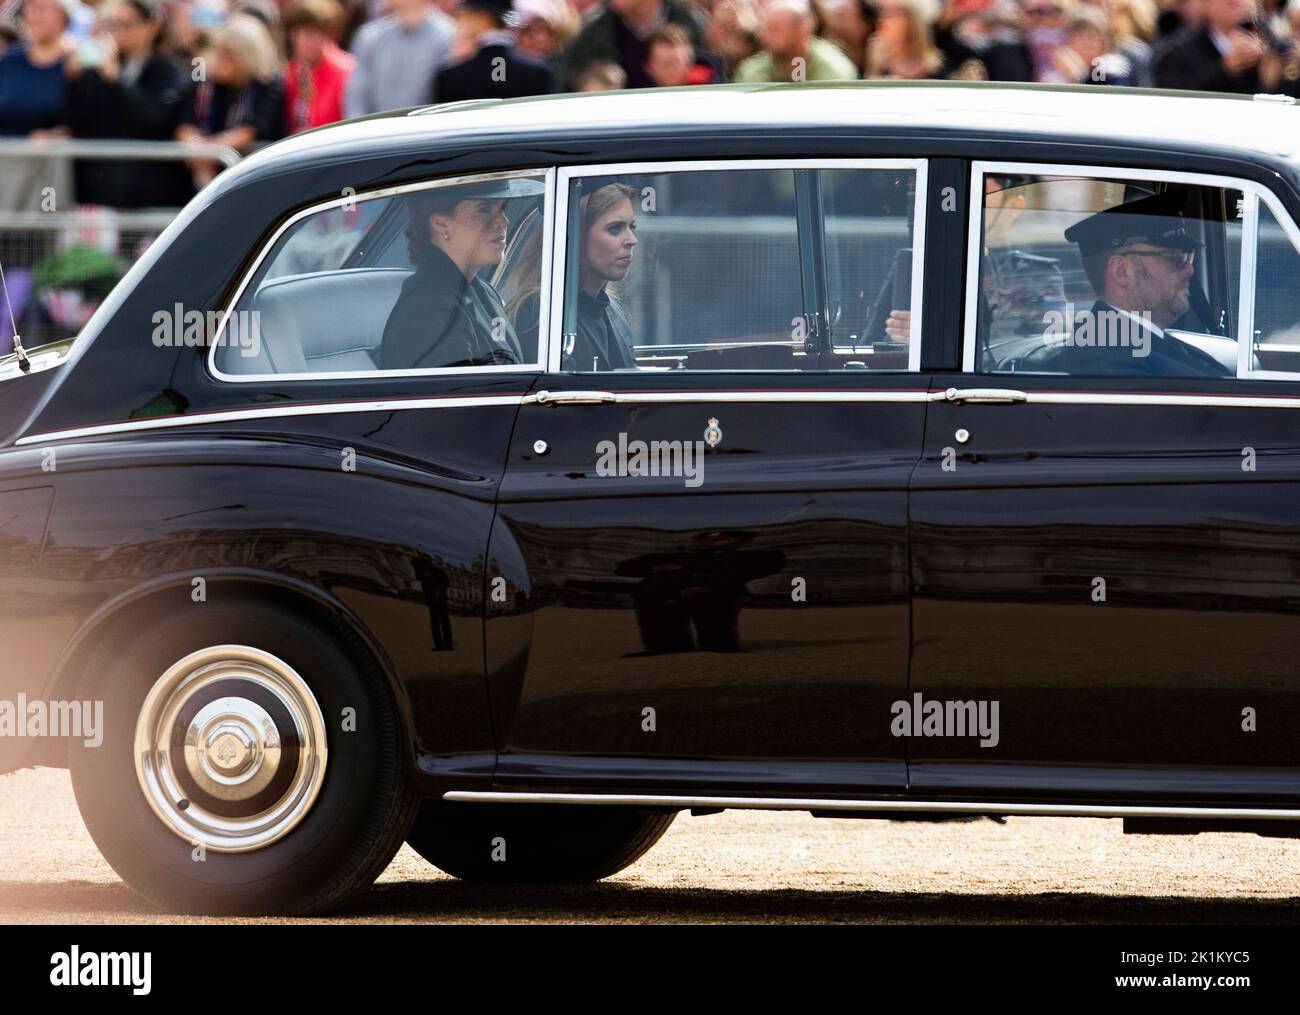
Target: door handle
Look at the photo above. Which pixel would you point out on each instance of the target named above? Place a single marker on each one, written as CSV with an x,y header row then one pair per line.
x,y
992,396
570,398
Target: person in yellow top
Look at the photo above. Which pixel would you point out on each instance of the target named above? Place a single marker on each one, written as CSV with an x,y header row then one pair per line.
x,y
791,52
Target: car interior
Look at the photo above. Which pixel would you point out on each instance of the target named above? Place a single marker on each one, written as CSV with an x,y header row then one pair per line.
x,y
717,282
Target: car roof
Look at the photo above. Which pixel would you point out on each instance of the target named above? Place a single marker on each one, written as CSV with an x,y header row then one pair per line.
x,y
1133,116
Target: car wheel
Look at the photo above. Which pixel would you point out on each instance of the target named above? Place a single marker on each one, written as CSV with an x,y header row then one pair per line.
x,y
539,843
253,761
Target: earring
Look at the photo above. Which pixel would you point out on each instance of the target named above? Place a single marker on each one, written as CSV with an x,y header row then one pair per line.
x,y
445,237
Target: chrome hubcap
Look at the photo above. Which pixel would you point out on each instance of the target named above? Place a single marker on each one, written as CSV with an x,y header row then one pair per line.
x,y
230,748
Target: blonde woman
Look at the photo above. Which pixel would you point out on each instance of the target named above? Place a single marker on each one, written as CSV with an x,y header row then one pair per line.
x,y
240,103
903,46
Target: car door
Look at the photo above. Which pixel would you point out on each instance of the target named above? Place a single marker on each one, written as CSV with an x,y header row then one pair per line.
x,y
733,612
1106,560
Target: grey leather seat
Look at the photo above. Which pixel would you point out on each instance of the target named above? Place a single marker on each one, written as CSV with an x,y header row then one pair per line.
x,y
324,322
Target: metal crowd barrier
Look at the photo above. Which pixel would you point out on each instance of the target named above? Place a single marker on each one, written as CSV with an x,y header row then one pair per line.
x,y
61,258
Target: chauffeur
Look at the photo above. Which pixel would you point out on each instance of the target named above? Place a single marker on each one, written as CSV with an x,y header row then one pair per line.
x,y
1139,259
446,315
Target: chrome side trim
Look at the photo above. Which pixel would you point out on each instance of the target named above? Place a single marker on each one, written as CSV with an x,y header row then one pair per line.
x,y
237,415
1064,810
1198,401
646,397
777,396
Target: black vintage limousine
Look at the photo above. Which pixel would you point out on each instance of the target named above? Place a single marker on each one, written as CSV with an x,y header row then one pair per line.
x,y
509,477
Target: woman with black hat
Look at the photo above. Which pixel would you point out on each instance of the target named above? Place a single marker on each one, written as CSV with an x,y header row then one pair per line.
x,y
446,315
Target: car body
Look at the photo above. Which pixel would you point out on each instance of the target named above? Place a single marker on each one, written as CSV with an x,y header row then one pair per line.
x,y
1113,561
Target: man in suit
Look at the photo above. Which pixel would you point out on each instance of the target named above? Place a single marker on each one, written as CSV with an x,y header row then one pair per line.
x,y
1230,51
1139,257
498,69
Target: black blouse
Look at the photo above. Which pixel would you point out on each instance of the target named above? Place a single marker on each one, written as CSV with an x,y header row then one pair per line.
x,y
442,319
604,338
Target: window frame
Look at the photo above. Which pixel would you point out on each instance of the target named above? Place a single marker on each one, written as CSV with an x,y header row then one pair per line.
x,y
546,173
1252,193
553,337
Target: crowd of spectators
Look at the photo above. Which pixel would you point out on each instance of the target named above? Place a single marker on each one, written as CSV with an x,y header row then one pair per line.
x,y
245,72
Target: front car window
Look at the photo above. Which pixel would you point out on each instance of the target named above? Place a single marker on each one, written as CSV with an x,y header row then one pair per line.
x,y
1091,276
442,276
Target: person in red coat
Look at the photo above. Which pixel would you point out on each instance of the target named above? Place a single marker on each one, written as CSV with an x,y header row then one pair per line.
x,y
318,70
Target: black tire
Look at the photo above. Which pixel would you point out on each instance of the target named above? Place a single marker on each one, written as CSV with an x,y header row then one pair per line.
x,y
542,843
361,813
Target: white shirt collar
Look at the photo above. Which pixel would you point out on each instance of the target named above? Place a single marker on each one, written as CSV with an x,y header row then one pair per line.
x,y
1143,321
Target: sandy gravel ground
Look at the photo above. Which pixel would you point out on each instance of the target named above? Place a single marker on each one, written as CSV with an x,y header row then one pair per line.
x,y
756,867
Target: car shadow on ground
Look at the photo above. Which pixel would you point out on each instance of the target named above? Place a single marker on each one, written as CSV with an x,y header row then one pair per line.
x,y
448,901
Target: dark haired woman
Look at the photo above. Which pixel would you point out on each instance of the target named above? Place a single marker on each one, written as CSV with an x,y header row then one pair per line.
x,y
446,315
120,87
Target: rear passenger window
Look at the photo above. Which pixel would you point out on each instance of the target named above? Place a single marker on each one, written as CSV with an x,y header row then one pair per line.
x,y
442,276
740,269
1088,276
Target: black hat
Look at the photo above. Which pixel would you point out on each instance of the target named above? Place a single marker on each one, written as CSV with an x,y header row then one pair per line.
x,y
1156,219
444,199
506,189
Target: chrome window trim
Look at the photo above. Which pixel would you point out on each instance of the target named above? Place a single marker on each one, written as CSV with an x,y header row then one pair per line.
x,y
547,173
783,396
560,236
1293,234
1246,290
1252,191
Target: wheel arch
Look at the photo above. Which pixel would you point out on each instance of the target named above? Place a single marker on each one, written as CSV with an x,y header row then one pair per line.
x,y
118,620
